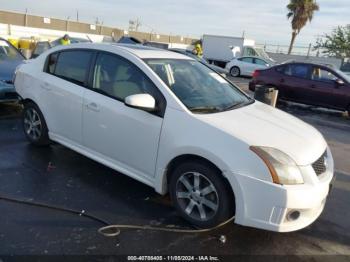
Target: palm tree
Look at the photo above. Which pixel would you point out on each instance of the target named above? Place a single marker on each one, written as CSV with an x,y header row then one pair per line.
x,y
300,11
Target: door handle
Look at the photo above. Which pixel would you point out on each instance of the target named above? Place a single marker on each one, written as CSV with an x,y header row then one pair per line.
x,y
45,86
313,86
93,106
282,80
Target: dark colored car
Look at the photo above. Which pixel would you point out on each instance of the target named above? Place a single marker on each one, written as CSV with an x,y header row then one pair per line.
x,y
10,58
129,40
305,83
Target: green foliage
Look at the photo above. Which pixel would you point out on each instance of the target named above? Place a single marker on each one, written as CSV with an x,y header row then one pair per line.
x,y
337,43
300,12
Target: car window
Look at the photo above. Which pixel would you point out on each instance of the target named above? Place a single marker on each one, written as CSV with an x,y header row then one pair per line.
x,y
281,69
248,60
40,48
321,74
119,78
300,71
260,62
8,52
72,66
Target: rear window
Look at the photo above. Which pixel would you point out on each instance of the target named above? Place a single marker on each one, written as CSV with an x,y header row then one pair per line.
x,y
248,60
301,71
72,66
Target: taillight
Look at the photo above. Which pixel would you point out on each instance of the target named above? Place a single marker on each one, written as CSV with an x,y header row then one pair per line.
x,y
256,74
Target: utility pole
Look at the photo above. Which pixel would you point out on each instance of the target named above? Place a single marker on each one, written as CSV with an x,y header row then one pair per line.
x,y
26,17
134,25
67,23
309,50
101,27
77,15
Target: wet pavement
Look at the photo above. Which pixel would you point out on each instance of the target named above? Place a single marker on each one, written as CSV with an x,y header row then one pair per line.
x,y
58,176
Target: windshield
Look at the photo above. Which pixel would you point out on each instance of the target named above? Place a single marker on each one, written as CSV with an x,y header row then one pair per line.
x,y
7,52
199,88
261,52
343,75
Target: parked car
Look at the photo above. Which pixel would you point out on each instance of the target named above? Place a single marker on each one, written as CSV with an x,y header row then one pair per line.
x,y
174,124
42,46
307,83
200,59
129,40
245,66
10,58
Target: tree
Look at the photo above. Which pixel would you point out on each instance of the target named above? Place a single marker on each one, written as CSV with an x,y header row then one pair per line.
x,y
300,12
337,43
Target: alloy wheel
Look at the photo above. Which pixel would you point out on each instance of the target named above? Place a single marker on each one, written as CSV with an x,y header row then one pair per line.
x,y
235,71
32,124
197,196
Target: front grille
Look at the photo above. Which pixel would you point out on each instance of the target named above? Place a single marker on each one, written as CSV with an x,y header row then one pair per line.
x,y
320,165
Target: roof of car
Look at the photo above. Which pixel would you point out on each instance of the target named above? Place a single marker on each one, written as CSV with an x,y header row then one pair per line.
x,y
140,51
331,66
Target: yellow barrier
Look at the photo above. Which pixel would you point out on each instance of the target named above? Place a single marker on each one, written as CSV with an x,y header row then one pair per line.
x,y
24,43
14,42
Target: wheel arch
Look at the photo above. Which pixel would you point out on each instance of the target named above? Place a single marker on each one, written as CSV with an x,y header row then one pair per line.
x,y
173,163
29,100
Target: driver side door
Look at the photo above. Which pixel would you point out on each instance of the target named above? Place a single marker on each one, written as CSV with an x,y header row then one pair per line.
x,y
125,137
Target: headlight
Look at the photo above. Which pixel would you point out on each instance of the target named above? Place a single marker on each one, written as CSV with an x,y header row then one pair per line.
x,y
282,167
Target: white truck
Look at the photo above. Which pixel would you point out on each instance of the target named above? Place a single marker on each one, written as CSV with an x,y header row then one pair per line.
x,y
219,50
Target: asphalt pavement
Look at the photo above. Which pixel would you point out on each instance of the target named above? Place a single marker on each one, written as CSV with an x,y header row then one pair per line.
x,y
58,176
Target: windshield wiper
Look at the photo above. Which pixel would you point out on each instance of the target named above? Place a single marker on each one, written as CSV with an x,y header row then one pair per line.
x,y
205,109
240,104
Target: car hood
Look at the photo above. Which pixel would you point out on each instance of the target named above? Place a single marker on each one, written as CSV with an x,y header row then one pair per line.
x,y
262,125
7,69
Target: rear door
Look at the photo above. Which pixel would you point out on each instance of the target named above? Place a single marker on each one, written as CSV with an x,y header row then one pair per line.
x,y
63,86
293,80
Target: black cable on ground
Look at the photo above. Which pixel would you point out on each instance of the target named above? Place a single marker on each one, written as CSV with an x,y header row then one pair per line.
x,y
81,213
112,230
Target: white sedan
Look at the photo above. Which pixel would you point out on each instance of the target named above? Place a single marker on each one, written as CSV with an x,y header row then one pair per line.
x,y
245,66
174,124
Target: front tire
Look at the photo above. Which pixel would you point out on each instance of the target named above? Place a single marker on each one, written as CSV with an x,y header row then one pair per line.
x,y
200,194
235,71
34,125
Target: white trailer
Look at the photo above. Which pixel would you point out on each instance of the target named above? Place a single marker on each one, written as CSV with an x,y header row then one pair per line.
x,y
221,49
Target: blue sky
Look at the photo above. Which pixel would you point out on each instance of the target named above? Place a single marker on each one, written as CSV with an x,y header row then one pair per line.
x,y
262,20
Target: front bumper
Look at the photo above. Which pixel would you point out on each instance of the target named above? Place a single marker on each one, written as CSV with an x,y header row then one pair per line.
x,y
7,93
267,206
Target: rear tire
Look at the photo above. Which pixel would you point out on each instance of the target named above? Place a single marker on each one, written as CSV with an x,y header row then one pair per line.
x,y
34,125
200,194
235,71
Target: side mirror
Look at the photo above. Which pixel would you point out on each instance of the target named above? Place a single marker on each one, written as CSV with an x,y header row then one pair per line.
x,y
339,82
144,102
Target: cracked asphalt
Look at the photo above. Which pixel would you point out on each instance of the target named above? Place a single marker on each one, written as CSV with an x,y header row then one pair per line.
x,y
58,176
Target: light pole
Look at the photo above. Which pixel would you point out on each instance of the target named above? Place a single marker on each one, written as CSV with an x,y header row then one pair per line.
x,y
67,23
